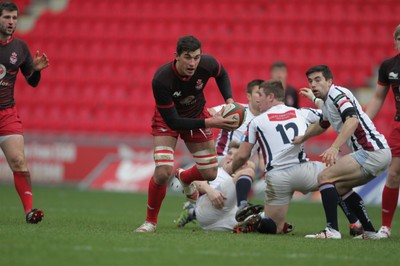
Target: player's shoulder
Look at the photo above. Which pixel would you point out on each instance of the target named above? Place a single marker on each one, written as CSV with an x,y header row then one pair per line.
x,y
395,58
18,42
389,62
164,70
208,60
207,57
336,90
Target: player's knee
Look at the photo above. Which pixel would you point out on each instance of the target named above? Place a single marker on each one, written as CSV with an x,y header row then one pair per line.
x,y
267,226
323,177
207,163
17,164
393,178
162,174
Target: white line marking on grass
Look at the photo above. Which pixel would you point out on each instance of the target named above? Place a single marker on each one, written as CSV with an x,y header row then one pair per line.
x,y
86,248
227,254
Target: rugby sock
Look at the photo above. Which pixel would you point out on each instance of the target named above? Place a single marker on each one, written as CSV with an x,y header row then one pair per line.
x,y
346,210
22,182
243,187
390,197
156,194
267,226
356,204
330,200
190,175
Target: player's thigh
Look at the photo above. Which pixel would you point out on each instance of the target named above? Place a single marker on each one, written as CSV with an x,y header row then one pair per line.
x,y
304,176
345,169
13,148
393,178
278,190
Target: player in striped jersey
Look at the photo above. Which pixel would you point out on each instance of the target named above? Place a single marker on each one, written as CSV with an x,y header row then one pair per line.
x,y
370,154
287,168
244,182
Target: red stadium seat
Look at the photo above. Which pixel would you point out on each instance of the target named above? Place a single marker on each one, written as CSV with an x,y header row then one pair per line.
x,y
103,59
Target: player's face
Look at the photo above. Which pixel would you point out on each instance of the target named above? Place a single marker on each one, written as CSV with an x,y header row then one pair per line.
x,y
8,22
397,43
229,156
253,98
187,62
265,100
319,85
279,73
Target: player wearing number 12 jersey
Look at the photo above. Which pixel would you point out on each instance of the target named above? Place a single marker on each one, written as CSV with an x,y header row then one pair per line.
x,y
287,168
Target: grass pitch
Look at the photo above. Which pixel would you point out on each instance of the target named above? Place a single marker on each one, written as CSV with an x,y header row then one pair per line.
x,y
95,228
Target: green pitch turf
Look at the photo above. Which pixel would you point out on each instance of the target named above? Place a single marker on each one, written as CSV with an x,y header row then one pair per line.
x,y
95,228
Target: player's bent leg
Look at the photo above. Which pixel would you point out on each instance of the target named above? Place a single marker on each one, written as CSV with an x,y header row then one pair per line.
x,y
278,214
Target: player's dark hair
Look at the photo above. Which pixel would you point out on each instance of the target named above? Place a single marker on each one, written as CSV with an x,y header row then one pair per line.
x,y
278,64
9,6
251,84
275,87
187,43
324,69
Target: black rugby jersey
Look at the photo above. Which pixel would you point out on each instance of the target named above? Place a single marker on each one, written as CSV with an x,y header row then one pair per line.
x,y
14,55
186,95
389,75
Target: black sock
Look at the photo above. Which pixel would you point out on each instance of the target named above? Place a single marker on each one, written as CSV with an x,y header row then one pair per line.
x,y
267,226
356,204
243,187
192,213
330,200
348,212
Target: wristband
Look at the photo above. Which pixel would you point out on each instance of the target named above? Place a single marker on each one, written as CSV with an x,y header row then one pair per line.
x,y
336,148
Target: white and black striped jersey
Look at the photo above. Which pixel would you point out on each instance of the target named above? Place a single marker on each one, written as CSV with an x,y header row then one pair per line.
x,y
274,131
339,105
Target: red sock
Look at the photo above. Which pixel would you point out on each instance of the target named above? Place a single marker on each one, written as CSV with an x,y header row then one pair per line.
x,y
390,196
156,195
190,175
23,186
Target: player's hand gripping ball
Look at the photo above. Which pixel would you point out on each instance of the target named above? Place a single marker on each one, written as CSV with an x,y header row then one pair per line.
x,y
236,112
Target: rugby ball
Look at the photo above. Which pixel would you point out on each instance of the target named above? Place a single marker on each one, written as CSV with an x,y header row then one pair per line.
x,y
236,112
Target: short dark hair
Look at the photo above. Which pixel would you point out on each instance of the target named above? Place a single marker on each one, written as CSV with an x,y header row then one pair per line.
x,y
251,84
9,6
278,64
274,86
187,43
324,69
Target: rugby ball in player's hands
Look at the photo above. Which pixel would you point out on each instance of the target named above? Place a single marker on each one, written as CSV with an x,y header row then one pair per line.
x,y
235,111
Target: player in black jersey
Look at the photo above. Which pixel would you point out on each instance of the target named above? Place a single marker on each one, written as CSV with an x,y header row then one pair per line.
x,y
15,56
180,111
389,76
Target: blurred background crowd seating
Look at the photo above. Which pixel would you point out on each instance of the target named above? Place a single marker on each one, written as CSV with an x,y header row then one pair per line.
x,y
104,53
